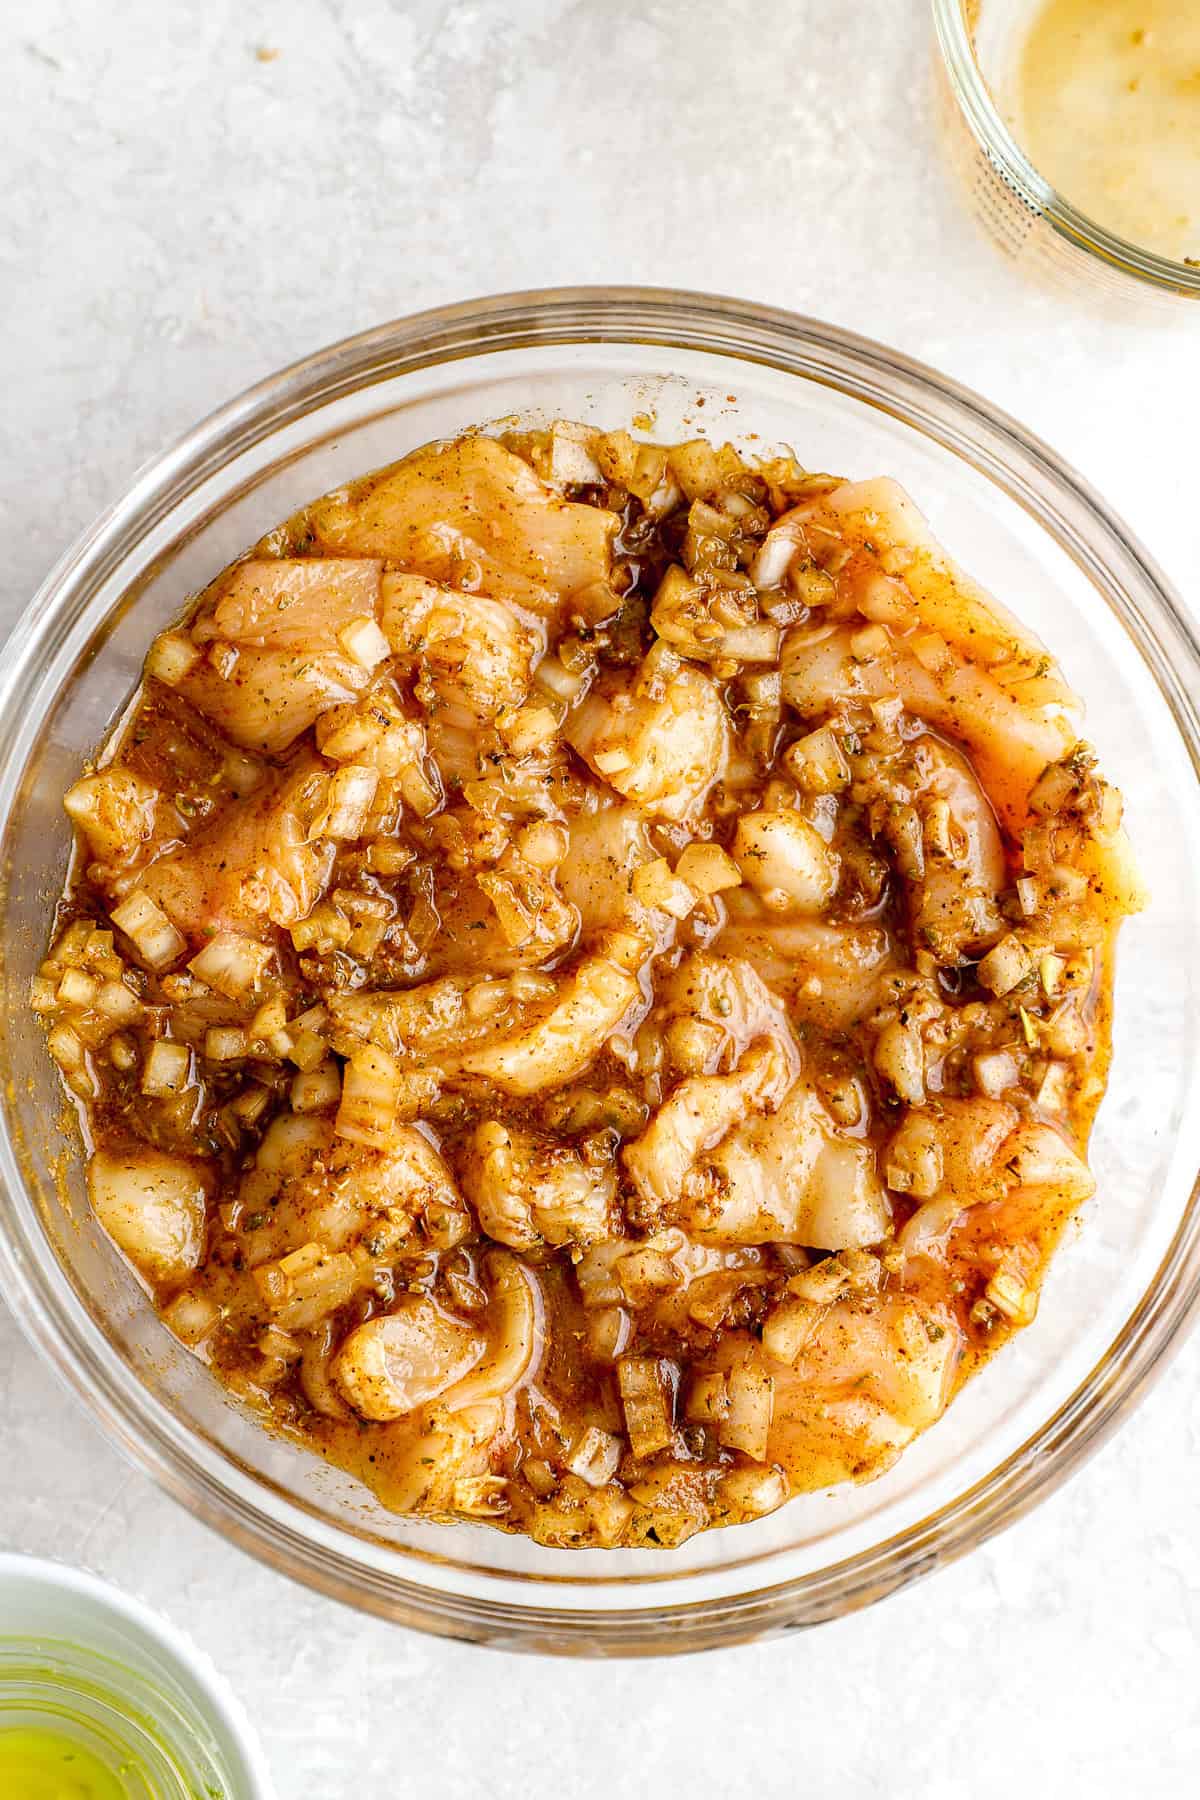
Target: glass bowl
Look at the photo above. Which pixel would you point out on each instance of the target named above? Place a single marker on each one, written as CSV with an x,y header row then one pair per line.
x,y
1035,225
1121,1289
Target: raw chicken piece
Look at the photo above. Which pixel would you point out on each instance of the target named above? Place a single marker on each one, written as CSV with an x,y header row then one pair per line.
x,y
472,511
529,1190
697,1116
470,654
875,1372
153,1207
255,865
788,862
605,848
662,742
591,1004
404,1359
1010,738
272,633
830,974
786,1178
307,1186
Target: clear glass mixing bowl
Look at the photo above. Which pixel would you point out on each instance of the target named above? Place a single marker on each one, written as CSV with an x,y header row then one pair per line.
x,y
1121,1290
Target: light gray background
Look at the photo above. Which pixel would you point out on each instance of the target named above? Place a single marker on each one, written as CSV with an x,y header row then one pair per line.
x,y
178,218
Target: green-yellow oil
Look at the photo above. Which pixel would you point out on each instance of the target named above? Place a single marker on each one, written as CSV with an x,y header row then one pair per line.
x,y
50,1765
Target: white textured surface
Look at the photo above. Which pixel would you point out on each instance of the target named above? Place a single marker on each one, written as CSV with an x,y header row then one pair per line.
x,y
180,217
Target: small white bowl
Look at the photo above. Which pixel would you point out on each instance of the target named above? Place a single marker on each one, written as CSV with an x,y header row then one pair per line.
x,y
72,1645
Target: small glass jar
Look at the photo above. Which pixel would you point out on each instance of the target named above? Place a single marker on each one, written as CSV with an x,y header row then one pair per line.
x,y
81,1661
1024,214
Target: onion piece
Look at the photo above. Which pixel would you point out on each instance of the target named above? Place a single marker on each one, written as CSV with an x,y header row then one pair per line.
x,y
348,802
231,964
172,658
747,1426
364,643
594,1456
644,1397
150,931
371,1089
166,1069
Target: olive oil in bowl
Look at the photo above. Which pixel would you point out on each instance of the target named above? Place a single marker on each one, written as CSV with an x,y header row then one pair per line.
x,y
37,1764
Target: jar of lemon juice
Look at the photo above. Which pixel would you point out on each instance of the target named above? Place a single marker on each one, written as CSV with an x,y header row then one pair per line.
x,y
1075,127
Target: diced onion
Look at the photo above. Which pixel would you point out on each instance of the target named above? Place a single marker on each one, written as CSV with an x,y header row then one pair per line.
x,y
1050,973
551,675
148,928
191,1317
313,1090
526,728
913,1160
751,643
612,762
118,1003
788,1328
642,1384
251,1103
654,884
387,857
900,1058
708,869
594,1456
77,988
708,1398
224,1043
1054,1088
1005,966
871,642
609,1329
1012,1297
995,1071
646,1273
66,1047
172,658
43,995
747,1426
270,1017
364,643
231,964
371,1089
348,802
418,790
753,1492
816,762
1027,894
772,562
824,1283
166,1068
307,1049
932,652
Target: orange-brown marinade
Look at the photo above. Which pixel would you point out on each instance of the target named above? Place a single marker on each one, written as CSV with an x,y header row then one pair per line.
x,y
587,979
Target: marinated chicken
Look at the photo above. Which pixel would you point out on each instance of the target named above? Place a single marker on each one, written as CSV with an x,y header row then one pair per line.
x,y
586,976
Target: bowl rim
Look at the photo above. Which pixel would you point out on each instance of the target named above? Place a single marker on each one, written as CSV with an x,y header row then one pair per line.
x,y
954,35
974,431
